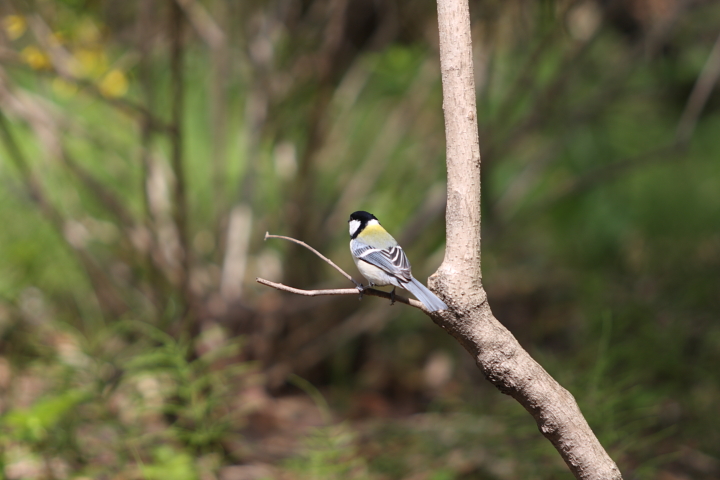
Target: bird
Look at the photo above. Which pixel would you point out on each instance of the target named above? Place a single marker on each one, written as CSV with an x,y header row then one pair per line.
x,y
382,261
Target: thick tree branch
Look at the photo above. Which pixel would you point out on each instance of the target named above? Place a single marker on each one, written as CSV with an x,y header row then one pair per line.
x,y
458,281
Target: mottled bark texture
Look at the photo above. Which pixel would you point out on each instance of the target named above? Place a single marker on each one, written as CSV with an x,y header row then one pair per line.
x,y
458,281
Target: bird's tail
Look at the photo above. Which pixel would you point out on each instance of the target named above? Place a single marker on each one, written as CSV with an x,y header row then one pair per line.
x,y
428,298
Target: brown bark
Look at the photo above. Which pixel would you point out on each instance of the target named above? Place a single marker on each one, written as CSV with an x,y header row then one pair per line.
x,y
458,281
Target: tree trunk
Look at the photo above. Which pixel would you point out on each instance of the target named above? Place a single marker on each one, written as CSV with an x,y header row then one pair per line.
x,y
458,281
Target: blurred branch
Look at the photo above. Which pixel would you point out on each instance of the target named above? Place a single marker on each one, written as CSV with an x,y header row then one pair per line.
x,y
221,60
509,201
299,220
686,126
144,45
17,157
508,204
543,98
528,76
62,60
203,23
180,202
160,272
236,252
216,39
303,221
109,300
41,118
123,104
101,192
540,111
378,154
699,96
608,172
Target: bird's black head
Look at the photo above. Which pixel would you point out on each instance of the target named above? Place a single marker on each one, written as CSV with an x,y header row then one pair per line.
x,y
359,220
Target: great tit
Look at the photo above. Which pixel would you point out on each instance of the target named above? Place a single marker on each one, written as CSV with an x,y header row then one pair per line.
x,y
382,261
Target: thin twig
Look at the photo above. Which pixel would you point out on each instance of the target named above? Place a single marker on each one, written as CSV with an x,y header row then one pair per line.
x,y
338,291
344,291
343,272
309,293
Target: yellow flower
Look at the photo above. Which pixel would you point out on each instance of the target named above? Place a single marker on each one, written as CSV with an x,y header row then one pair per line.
x,y
90,63
35,57
15,26
88,32
62,88
114,84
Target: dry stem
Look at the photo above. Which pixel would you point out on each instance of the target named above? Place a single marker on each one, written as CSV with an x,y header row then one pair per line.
x,y
338,291
343,272
343,291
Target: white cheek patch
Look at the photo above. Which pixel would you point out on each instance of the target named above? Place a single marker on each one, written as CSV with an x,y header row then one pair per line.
x,y
354,225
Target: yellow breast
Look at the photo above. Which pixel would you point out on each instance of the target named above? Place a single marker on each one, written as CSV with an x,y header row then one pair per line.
x,y
377,236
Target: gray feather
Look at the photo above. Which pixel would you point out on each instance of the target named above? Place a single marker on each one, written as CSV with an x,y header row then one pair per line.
x,y
392,260
429,299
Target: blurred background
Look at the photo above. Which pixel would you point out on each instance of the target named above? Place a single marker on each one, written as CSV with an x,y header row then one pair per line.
x,y
147,146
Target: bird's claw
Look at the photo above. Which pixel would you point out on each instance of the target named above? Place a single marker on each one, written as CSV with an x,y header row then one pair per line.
x,y
392,297
361,289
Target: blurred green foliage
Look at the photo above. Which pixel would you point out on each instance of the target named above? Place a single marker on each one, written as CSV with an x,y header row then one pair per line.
x,y
600,225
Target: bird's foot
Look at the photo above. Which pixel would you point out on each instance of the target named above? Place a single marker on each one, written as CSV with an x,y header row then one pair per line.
x,y
360,287
392,297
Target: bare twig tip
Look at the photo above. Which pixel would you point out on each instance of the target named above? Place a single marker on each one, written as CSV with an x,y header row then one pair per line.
x,y
267,234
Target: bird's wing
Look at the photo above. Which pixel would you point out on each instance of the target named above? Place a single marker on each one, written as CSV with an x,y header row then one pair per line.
x,y
392,260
